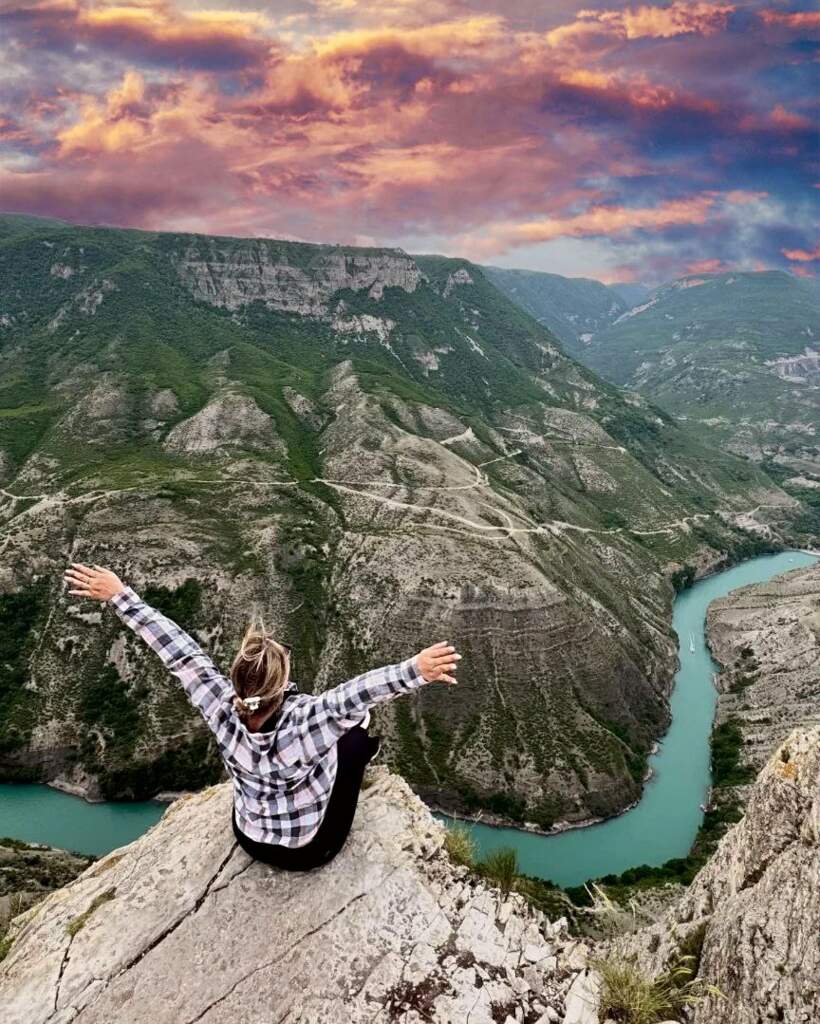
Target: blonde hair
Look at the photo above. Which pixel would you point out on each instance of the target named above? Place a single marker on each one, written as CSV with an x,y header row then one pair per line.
x,y
259,672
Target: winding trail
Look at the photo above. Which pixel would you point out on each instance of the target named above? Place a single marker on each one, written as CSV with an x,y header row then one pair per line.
x,y
554,527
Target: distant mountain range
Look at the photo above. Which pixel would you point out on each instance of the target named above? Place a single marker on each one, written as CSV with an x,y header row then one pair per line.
x,y
734,355
381,451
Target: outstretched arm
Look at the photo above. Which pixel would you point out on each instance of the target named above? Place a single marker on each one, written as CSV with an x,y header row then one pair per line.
x,y
321,721
207,688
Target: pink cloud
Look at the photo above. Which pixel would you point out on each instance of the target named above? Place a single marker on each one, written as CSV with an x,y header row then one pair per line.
x,y
607,221
798,20
707,266
802,255
350,119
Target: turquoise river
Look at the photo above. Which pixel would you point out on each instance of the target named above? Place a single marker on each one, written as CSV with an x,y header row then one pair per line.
x,y
661,826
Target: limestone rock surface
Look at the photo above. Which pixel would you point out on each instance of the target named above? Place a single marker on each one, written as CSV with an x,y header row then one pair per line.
x,y
229,420
767,639
755,904
182,927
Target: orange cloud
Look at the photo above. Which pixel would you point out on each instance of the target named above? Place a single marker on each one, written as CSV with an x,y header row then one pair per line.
x,y
133,119
791,19
643,22
450,39
607,221
157,20
110,126
706,266
802,255
157,31
398,13
679,17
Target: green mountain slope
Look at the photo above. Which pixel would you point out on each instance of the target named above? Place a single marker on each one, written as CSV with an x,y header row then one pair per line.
x,y
379,451
736,356
573,308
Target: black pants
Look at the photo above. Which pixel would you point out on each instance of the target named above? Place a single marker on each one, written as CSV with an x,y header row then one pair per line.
x,y
353,754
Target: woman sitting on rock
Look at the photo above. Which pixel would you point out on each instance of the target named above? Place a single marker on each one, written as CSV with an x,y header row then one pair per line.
x,y
296,760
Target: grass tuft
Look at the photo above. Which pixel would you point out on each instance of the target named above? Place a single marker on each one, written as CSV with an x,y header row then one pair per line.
x,y
460,845
629,996
501,868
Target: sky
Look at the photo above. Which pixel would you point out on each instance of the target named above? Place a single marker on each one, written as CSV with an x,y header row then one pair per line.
x,y
623,142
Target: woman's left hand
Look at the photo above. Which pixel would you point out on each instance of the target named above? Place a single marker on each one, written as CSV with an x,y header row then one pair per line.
x,y
97,583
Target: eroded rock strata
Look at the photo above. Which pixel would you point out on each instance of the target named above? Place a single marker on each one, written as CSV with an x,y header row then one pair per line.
x,y
766,637
376,449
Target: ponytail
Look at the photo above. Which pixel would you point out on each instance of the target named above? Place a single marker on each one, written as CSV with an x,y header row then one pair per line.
x,y
259,672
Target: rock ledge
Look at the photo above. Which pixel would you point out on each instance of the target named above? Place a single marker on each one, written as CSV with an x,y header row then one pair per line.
x,y
181,927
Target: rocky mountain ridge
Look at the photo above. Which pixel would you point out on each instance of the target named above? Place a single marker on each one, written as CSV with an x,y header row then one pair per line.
x,y
766,638
752,916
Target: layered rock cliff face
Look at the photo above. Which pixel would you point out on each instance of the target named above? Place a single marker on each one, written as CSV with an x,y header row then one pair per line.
x,y
752,915
379,451
766,638
233,276
182,927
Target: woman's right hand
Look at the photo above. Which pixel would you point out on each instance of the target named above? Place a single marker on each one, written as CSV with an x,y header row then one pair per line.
x,y
92,581
437,662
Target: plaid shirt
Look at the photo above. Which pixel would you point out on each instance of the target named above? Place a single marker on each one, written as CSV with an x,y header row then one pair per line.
x,y
281,779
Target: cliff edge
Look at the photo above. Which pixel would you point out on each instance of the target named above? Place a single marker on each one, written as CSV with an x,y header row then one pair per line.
x,y
181,927
751,917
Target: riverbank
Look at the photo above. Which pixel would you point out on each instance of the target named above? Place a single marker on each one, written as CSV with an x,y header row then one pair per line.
x,y
660,826
764,639
664,824
84,792
492,820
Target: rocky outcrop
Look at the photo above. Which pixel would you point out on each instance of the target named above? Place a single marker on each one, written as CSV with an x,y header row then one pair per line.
x,y
766,637
182,927
752,916
258,270
230,421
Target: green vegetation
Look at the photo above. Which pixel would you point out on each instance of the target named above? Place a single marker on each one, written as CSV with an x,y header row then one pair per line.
x,y
20,612
27,867
191,765
500,868
183,604
460,845
111,710
76,924
628,996
727,743
683,578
